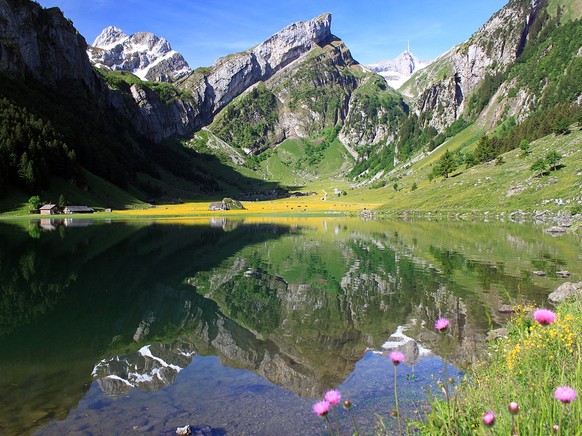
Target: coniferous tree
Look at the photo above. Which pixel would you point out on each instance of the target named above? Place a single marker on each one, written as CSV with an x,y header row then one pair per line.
x,y
540,166
552,158
486,149
446,164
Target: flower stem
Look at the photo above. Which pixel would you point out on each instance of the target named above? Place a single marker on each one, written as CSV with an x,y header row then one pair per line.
x,y
329,427
336,422
396,399
357,432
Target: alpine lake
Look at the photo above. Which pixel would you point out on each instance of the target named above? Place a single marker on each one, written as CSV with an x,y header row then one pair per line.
x,y
240,326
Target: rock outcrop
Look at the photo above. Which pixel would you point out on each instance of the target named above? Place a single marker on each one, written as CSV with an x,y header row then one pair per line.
x,y
143,54
42,44
565,291
150,116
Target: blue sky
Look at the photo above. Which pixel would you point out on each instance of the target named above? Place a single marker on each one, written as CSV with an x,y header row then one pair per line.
x,y
205,30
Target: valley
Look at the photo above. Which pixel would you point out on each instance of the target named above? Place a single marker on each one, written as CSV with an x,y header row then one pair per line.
x,y
296,113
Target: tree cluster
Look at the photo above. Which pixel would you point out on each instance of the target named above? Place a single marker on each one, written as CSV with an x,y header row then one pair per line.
x,y
32,151
550,161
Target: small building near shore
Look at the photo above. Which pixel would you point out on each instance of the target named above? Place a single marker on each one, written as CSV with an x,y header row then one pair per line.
x,y
77,209
49,209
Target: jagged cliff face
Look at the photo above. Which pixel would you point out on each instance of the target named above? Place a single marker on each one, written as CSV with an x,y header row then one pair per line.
x,y
213,89
143,54
41,43
373,116
442,88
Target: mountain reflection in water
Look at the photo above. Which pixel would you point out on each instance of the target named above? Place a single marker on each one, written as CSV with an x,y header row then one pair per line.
x,y
113,326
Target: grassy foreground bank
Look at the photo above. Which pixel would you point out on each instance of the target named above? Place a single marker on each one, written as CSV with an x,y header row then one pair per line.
x,y
515,390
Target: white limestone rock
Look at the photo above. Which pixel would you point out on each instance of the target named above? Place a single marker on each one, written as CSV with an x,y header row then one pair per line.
x,y
233,74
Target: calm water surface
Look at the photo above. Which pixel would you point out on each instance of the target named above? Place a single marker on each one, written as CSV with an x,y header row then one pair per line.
x,y
237,327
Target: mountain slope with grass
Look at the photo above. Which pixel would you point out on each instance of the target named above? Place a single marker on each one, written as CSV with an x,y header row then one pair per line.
x,y
537,93
507,184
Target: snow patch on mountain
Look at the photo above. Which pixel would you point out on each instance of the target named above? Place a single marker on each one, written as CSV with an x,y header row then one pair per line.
x,y
397,71
143,54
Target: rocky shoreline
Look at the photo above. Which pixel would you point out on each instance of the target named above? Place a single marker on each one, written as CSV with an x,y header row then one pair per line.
x,y
561,221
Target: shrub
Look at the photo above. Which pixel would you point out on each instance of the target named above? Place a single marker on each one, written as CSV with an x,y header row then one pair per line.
x,y
34,202
562,127
525,147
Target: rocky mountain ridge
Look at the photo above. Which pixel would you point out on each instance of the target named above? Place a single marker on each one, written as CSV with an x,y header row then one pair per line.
x,y
231,75
442,89
209,90
143,54
296,84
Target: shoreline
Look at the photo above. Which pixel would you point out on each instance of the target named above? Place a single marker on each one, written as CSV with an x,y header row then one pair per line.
x,y
303,207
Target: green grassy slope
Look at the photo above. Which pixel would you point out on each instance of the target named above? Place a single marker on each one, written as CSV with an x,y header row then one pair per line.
x,y
306,163
511,185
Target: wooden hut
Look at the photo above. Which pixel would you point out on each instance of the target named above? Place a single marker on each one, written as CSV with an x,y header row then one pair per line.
x,y
48,209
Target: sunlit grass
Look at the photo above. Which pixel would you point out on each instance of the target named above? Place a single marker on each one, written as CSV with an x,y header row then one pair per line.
x,y
313,204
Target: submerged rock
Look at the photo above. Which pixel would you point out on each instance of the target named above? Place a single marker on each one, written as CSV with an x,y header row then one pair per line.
x,y
539,273
184,430
563,274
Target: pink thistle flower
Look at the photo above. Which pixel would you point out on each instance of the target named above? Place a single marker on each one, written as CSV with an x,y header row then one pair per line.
x,y
544,316
332,397
441,324
321,408
396,357
489,419
513,407
565,394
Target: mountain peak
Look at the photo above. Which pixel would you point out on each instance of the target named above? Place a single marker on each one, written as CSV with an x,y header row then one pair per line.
x,y
302,34
109,37
143,53
398,70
